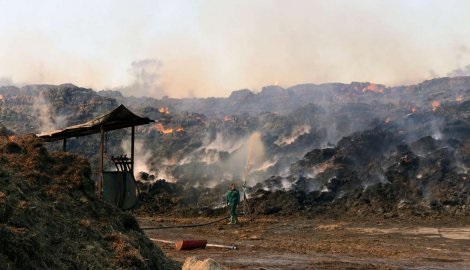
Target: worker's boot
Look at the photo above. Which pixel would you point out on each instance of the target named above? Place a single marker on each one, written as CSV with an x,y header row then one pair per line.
x,y
235,220
231,220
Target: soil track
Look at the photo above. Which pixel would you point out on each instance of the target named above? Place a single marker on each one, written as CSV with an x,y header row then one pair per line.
x,y
300,243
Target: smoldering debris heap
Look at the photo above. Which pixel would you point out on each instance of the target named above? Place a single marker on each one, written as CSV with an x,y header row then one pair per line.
x,y
326,147
160,197
374,173
51,219
201,140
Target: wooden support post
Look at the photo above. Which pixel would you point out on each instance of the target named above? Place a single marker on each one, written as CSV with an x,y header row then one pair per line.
x,y
101,164
64,145
132,150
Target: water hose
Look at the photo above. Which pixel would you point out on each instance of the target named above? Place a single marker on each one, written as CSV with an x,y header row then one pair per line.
x,y
185,225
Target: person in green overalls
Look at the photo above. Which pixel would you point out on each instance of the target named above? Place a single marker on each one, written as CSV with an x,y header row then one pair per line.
x,y
233,200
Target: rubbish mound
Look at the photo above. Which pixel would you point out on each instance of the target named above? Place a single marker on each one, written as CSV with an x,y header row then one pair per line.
x,y
376,176
373,173
179,200
50,217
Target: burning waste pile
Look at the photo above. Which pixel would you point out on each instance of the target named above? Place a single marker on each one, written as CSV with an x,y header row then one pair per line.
x,y
50,217
161,197
183,198
372,174
379,172
393,169
358,148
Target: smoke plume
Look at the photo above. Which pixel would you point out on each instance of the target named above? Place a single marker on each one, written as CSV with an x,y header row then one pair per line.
x,y
146,79
45,114
459,72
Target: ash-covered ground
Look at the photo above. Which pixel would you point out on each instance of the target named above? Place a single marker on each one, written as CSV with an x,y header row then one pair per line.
x,y
277,242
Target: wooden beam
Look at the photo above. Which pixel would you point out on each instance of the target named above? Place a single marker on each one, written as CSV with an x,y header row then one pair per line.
x,y
132,149
101,164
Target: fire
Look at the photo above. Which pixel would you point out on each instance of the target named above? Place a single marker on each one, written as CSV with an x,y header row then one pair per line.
x,y
459,98
413,109
1,97
373,88
435,105
163,130
228,118
164,110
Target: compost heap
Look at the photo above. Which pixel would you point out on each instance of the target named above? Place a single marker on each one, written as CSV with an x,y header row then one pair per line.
x,y
51,219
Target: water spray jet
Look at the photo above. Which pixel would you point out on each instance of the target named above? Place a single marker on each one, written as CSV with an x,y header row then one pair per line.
x,y
255,155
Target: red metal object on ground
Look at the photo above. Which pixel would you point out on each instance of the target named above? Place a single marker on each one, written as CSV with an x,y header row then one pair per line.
x,y
190,244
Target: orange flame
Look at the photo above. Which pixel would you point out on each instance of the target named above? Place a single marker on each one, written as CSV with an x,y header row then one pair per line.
x,y
413,109
1,97
228,118
459,98
435,105
160,128
373,88
164,110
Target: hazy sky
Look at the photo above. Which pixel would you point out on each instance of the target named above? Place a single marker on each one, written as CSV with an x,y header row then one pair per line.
x,y
209,48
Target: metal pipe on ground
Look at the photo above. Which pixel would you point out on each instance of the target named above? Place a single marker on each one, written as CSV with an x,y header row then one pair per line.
x,y
232,246
193,244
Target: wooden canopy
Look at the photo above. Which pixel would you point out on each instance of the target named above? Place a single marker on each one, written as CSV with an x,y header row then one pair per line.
x,y
121,117
119,186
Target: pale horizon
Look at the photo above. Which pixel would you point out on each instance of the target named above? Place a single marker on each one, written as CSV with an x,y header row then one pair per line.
x,y
206,48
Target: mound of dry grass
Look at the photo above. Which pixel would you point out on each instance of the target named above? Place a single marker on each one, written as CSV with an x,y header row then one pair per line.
x,y
50,217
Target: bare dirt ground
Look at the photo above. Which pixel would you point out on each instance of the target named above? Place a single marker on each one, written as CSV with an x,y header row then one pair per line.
x,y
300,243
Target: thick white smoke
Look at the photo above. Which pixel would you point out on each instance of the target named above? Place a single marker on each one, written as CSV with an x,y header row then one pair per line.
x,y
49,120
141,155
